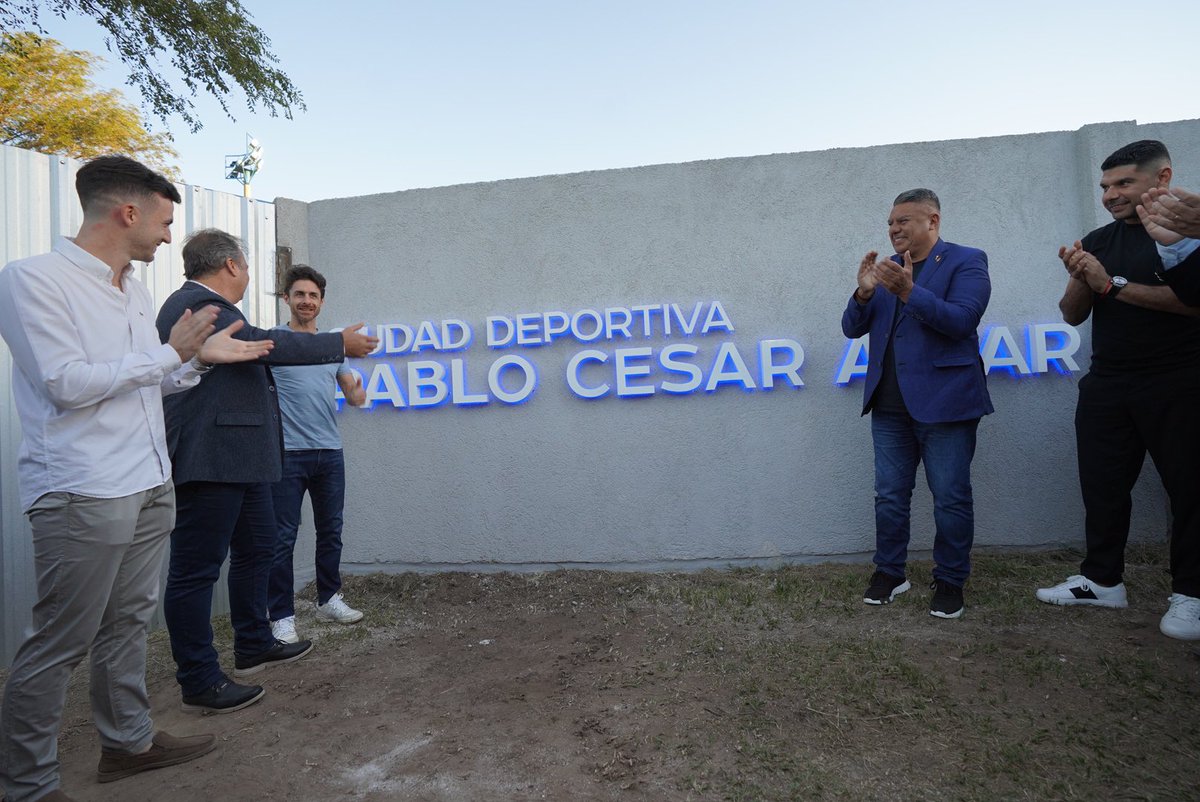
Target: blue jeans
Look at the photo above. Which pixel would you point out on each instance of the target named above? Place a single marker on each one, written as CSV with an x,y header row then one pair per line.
x,y
322,473
212,520
901,443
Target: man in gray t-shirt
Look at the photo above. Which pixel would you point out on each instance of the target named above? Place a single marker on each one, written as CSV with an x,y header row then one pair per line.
x,y
312,463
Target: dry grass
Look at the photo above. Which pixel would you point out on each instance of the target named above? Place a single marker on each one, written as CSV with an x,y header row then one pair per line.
x,y
732,685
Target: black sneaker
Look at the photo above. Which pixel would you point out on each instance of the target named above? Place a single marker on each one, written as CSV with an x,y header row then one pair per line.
x,y
246,664
947,599
224,697
884,588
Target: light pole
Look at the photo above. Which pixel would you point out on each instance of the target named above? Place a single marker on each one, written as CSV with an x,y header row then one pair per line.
x,y
243,166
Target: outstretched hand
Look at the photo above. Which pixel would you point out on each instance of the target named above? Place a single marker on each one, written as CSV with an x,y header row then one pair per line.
x,y
357,344
222,348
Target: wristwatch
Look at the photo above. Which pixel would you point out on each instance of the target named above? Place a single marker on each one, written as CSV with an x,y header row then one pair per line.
x,y
199,365
1116,284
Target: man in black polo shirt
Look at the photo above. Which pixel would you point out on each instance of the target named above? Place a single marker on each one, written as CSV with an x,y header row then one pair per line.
x,y
1139,397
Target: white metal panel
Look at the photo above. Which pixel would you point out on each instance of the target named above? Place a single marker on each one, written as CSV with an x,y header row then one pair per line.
x,y
37,204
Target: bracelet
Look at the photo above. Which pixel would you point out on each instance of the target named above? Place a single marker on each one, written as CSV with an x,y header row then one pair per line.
x,y
1107,288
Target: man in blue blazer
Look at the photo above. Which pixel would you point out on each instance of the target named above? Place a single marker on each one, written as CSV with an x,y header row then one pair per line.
x,y
925,389
226,444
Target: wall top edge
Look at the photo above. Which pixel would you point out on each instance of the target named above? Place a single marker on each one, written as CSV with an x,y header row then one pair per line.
x,y
696,162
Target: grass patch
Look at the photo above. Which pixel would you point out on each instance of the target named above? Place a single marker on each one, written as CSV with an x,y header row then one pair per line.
x,y
753,684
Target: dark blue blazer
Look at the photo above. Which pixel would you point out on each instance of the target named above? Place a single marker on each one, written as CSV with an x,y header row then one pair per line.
x,y
938,365
228,428
1184,279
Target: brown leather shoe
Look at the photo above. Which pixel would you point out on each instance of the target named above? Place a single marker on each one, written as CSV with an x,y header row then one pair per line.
x,y
165,750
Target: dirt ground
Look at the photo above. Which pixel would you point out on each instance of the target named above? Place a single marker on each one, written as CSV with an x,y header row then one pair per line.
x,y
742,685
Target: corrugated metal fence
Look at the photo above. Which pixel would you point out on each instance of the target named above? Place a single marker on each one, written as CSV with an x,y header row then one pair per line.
x,y
37,204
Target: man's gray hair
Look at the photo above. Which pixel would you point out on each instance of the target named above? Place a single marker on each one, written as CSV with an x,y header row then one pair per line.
x,y
919,196
207,250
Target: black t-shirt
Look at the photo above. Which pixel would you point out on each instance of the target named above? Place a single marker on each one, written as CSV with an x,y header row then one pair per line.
x,y
887,397
1128,338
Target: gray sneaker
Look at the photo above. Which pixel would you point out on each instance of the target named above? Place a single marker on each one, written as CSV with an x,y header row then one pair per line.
x,y
337,610
285,629
1182,620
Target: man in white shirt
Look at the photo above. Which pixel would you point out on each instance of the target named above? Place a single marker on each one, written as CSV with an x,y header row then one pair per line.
x,y
89,374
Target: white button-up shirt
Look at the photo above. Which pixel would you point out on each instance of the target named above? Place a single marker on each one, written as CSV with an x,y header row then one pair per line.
x,y
88,376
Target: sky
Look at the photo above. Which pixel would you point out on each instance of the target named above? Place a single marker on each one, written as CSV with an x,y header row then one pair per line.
x,y
403,94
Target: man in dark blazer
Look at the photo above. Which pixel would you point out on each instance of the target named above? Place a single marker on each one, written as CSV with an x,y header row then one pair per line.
x,y
226,444
1172,219
926,391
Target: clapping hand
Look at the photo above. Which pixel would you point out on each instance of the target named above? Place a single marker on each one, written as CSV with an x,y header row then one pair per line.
x,y
1084,266
896,279
1169,215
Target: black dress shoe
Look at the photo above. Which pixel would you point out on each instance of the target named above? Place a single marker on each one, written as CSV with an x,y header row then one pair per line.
x,y
244,665
224,697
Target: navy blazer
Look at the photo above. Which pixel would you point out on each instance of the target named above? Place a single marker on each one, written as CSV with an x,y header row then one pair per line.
x,y
228,428
938,365
1184,279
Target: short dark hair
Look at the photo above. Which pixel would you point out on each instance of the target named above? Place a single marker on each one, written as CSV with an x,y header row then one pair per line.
x,y
918,196
1141,154
302,273
205,251
109,179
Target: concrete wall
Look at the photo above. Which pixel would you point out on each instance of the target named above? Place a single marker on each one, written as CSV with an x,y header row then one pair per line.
x,y
708,478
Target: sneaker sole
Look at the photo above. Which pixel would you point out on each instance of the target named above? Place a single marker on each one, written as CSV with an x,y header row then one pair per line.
x,y
1074,602
1192,635
899,589
238,673
335,620
1189,638
217,711
939,614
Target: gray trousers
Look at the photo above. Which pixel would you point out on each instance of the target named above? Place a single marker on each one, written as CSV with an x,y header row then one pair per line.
x,y
98,564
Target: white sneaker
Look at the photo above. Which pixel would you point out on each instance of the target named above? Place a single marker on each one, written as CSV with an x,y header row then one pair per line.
x,y
1182,620
337,610
285,629
1081,590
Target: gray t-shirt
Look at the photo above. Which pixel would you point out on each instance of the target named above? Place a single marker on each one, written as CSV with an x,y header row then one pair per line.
x,y
308,405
